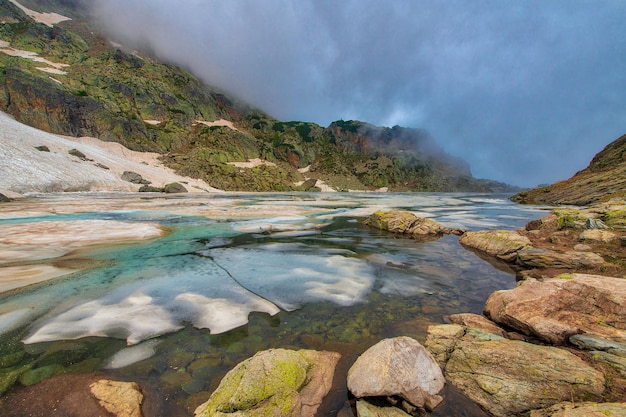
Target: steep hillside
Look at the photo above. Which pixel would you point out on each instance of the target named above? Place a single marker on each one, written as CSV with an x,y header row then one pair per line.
x,y
603,179
57,76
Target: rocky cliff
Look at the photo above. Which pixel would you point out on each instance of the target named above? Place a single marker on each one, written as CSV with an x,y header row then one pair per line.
x,y
61,77
602,180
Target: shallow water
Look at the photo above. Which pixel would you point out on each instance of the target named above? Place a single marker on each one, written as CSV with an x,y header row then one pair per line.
x,y
239,273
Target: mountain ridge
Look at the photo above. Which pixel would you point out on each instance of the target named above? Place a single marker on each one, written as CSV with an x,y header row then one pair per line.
x,y
602,180
90,86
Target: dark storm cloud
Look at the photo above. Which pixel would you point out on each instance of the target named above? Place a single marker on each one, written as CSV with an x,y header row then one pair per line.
x,y
527,92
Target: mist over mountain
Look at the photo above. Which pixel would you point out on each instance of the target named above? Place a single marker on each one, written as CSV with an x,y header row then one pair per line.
x,y
524,92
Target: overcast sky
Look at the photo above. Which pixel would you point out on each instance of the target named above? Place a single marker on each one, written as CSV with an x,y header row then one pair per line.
x,y
526,91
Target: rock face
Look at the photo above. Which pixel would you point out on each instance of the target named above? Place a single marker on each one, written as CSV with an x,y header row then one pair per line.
x,y
502,244
555,309
406,223
509,377
274,382
477,322
544,258
398,367
122,399
604,178
587,409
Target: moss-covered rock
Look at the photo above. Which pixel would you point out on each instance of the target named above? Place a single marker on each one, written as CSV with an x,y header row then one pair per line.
x,y
503,244
276,382
407,223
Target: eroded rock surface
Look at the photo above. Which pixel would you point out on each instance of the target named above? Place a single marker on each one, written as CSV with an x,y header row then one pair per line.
x,y
509,377
557,308
398,367
587,409
502,244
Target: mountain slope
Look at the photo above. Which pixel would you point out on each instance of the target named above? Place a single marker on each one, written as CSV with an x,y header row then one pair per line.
x,y
61,78
603,179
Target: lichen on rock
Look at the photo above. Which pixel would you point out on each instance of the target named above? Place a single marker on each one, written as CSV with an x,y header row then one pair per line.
x,y
273,382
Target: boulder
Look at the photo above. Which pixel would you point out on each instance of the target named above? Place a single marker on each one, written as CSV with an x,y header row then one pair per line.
x,y
122,399
557,308
150,189
174,188
544,258
274,382
134,177
586,409
400,367
502,244
508,377
4,198
78,154
407,223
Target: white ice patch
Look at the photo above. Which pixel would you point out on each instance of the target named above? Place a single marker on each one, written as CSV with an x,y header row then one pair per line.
x,y
274,224
15,319
198,292
221,315
131,355
297,274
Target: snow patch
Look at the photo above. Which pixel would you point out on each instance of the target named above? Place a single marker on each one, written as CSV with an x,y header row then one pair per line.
x,y
49,19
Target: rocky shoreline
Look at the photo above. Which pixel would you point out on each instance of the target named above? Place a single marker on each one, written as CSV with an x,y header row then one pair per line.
x,y
553,346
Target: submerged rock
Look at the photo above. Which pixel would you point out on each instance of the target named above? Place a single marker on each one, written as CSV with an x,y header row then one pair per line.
x,y
365,409
274,382
557,308
122,399
398,367
508,377
502,244
406,223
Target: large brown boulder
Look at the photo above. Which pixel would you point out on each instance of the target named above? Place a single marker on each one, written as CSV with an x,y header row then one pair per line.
x,y
557,308
502,244
509,378
407,223
400,367
275,382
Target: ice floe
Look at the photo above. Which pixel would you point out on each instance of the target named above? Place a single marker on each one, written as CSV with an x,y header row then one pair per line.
x,y
131,355
201,293
289,277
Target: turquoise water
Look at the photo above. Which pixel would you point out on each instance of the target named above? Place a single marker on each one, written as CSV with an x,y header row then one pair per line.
x,y
178,312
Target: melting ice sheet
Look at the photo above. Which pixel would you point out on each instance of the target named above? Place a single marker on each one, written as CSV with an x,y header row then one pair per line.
x,y
291,275
201,294
216,291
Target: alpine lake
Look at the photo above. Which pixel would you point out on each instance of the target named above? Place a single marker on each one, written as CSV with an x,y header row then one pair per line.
x,y
235,274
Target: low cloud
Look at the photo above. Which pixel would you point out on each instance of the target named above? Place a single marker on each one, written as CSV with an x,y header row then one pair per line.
x,y
526,92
